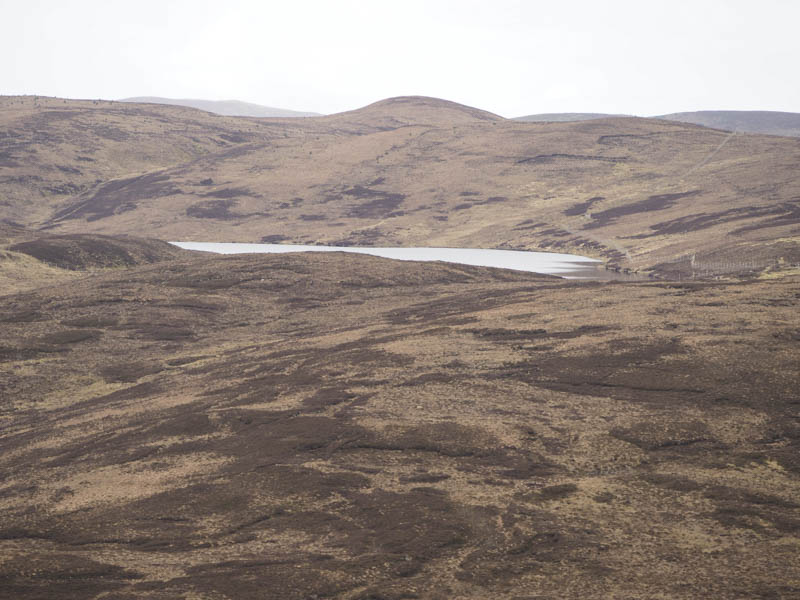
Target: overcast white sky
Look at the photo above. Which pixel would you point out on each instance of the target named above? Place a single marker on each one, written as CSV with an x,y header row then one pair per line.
x,y
511,57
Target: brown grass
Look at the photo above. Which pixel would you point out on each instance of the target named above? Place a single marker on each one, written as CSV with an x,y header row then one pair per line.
x,y
345,426
638,193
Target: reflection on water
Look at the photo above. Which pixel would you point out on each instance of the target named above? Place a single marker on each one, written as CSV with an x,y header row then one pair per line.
x,y
565,265
599,272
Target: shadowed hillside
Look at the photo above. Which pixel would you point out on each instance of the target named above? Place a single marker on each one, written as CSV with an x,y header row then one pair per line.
x,y
29,260
638,193
344,426
82,252
13,232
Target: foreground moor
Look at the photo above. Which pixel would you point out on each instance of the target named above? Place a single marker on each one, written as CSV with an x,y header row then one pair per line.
x,y
181,424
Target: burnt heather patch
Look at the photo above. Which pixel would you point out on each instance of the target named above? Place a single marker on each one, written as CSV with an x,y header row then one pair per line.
x,y
653,203
373,204
117,197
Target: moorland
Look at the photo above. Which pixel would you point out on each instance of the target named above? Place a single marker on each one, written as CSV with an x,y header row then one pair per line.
x,y
329,425
642,194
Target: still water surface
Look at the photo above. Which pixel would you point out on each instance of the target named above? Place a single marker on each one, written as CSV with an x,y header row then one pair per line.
x,y
565,265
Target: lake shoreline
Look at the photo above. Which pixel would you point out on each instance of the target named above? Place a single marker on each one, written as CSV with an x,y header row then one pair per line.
x,y
568,266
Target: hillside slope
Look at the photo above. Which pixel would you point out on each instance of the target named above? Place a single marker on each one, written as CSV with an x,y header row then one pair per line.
x,y
750,121
413,171
82,252
229,108
30,259
53,149
564,117
339,426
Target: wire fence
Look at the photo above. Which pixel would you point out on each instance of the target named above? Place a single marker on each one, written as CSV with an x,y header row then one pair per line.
x,y
689,267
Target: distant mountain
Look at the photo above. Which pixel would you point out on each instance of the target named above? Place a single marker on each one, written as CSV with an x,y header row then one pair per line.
x,y
566,117
415,110
749,121
229,108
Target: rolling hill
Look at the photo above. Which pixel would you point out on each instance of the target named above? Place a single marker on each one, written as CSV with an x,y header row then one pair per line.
x,y
330,425
343,426
565,117
639,193
229,108
749,121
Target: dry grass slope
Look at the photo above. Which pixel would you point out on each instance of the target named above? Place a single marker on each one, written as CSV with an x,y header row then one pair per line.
x,y
344,426
639,193
751,121
341,426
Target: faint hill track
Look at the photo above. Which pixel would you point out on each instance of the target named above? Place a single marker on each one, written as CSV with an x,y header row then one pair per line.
x,y
711,156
